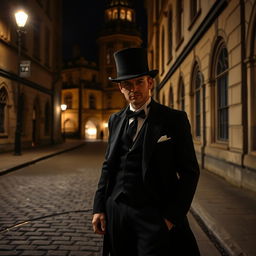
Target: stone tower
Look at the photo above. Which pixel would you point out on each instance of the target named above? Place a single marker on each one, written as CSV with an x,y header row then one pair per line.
x,y
119,31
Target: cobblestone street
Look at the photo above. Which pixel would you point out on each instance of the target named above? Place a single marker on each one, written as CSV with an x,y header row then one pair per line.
x,y
45,208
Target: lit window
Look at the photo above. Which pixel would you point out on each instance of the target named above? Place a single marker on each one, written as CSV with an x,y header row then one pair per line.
x,y
68,98
122,14
115,14
129,15
109,13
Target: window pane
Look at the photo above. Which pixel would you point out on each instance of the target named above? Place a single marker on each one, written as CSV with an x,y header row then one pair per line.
x,y
222,64
182,97
92,103
198,123
222,106
68,100
198,80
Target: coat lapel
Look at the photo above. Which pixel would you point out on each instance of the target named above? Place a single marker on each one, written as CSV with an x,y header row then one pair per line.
x,y
117,127
152,133
153,128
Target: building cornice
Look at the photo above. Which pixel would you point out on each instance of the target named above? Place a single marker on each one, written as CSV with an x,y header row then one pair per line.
x,y
27,82
214,12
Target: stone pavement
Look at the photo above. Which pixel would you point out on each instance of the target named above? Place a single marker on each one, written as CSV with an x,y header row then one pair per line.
x,y
226,213
46,208
10,162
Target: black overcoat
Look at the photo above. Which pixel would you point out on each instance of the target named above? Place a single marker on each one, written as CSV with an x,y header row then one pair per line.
x,y
169,168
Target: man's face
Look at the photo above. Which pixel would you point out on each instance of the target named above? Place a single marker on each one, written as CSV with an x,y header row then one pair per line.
x,y
137,91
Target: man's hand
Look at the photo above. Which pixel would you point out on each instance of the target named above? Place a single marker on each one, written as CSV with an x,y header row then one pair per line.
x,y
99,223
168,224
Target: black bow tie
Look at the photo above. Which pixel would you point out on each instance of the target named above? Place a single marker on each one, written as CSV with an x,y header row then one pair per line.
x,y
135,114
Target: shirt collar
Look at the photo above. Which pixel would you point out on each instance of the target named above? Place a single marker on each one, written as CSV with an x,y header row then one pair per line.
x,y
145,107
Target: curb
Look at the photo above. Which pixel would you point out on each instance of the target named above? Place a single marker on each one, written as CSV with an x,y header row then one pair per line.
x,y
223,240
22,165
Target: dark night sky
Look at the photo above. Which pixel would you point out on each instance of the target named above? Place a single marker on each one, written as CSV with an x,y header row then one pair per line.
x,y
82,20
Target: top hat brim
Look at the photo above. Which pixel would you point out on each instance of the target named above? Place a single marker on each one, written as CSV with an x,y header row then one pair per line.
x,y
151,73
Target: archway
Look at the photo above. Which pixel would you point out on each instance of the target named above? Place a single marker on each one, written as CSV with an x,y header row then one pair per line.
x,y
90,130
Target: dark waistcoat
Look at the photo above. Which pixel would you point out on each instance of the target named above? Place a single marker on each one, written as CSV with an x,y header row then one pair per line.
x,y
128,183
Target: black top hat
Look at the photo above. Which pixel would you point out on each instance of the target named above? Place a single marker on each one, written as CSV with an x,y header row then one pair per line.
x,y
131,63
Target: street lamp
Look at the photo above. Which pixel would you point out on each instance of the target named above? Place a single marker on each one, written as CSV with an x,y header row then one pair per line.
x,y
21,19
63,109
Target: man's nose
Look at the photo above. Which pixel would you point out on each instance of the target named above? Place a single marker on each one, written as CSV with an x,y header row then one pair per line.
x,y
133,87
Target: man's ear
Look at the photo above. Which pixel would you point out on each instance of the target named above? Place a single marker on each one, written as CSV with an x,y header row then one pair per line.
x,y
150,82
120,87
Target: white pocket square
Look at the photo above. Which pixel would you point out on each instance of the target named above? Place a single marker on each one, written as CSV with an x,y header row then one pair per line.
x,y
163,138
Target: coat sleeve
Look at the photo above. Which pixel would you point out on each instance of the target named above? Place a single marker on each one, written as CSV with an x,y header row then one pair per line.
x,y
187,171
100,194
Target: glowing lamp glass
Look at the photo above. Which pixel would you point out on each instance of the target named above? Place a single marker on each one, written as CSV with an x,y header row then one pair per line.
x,y
21,18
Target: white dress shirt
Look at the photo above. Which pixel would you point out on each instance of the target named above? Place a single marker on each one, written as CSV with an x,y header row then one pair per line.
x,y
140,120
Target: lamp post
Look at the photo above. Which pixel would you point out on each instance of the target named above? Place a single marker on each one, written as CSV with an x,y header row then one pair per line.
x,y
63,109
21,19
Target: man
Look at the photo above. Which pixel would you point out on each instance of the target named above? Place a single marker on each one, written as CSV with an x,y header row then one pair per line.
x,y
150,171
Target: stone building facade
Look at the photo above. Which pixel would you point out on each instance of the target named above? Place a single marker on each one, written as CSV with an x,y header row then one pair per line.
x,y
94,98
205,52
39,92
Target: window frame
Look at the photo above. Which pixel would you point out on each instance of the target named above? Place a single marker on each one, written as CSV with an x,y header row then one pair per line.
x,y
181,95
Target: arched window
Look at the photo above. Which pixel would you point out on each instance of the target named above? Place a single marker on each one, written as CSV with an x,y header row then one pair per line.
x,y
3,103
194,8
180,21
115,14
170,34
122,14
171,101
162,51
129,15
109,14
47,119
197,82
181,95
221,79
68,100
92,102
